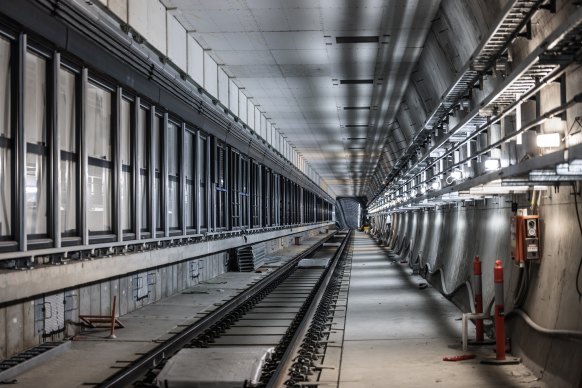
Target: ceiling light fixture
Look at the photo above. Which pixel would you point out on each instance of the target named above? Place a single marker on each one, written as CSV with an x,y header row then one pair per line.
x,y
356,39
356,81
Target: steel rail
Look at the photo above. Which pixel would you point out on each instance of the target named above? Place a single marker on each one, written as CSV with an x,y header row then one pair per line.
x,y
165,350
280,374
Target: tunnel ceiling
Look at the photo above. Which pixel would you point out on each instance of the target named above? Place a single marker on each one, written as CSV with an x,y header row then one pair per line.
x,y
329,73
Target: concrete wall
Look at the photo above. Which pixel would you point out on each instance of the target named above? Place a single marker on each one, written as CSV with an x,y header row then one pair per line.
x,y
21,327
455,33
94,270
448,238
283,242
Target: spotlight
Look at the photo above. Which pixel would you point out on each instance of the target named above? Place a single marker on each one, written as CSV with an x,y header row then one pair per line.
x,y
492,164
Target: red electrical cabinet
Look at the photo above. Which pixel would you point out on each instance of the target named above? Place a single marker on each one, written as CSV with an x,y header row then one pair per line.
x,y
525,238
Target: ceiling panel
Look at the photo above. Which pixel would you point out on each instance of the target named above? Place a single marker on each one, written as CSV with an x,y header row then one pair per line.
x,y
249,57
287,19
298,40
285,55
250,41
351,18
299,57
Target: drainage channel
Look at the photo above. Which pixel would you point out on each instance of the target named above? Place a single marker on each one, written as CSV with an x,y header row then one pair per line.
x,y
244,342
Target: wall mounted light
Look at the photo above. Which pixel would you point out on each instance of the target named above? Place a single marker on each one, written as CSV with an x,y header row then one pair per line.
x,y
492,164
547,140
456,175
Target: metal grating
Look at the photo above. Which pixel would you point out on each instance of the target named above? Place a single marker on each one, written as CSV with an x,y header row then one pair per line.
x,y
509,28
54,310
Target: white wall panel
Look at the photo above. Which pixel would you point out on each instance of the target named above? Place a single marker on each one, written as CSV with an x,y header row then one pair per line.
x,y
242,106
195,61
210,75
267,130
257,120
119,8
250,114
138,16
176,42
156,25
263,127
223,87
233,96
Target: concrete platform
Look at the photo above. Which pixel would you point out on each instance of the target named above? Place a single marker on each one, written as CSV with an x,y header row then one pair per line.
x,y
92,357
397,334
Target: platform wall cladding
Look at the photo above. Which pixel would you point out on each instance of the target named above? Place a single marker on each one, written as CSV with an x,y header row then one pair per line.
x,y
55,316
441,243
280,243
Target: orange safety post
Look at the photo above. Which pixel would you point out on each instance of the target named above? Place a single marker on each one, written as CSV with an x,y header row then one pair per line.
x,y
478,290
499,314
500,358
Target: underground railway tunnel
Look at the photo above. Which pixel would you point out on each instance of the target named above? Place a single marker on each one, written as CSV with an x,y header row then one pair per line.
x,y
290,193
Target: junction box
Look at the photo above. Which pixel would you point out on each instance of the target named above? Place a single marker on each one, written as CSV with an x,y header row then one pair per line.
x,y
525,237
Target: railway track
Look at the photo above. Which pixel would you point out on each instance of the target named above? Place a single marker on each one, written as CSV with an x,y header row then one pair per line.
x,y
272,334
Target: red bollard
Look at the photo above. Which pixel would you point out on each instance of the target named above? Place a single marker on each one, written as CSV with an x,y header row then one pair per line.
x,y
500,358
478,290
499,317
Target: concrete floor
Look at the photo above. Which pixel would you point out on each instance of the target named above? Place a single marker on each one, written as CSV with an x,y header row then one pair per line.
x,y
396,334
92,357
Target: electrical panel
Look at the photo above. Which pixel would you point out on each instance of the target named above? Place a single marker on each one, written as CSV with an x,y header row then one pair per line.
x,y
525,238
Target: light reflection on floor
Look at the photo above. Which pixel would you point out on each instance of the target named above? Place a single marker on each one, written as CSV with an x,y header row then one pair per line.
x,y
397,334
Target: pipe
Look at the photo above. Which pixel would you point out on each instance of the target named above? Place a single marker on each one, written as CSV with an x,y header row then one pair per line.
x,y
509,315
551,332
